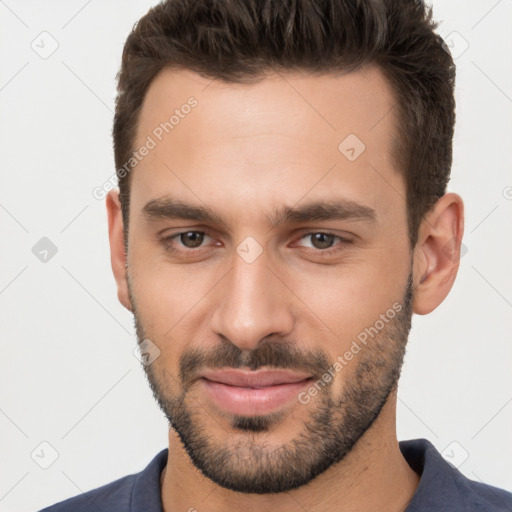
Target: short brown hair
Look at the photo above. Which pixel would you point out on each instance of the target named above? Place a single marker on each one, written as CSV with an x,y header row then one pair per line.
x,y
237,41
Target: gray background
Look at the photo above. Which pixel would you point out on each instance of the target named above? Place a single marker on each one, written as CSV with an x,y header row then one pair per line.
x,y
69,378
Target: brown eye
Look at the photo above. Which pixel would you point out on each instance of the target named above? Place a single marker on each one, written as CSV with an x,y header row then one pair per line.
x,y
323,244
322,240
192,239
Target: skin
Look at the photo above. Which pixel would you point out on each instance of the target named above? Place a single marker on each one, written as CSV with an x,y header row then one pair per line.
x,y
244,151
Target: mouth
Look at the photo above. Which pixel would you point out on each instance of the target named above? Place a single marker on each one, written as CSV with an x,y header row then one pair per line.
x,y
252,393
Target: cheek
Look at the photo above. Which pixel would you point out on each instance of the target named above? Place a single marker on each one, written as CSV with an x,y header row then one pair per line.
x,y
342,303
163,291
170,301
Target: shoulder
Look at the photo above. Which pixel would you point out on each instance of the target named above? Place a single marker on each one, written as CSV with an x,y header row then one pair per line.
x,y
443,487
139,492
483,497
114,497
478,496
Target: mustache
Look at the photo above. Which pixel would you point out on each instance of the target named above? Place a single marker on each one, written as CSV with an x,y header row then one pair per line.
x,y
270,353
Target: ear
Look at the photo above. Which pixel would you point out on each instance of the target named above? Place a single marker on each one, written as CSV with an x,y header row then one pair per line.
x,y
118,257
437,253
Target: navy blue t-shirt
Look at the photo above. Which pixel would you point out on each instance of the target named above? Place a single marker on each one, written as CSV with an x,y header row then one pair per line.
x,y
442,488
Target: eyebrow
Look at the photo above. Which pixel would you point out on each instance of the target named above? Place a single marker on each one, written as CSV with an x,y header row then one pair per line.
x,y
341,209
323,211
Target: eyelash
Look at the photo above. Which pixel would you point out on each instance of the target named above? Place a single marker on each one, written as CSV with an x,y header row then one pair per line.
x,y
166,242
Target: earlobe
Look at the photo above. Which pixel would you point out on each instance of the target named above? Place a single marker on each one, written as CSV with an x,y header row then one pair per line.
x,y
437,253
118,256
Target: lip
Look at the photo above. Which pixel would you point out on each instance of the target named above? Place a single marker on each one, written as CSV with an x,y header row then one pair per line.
x,y
254,379
251,393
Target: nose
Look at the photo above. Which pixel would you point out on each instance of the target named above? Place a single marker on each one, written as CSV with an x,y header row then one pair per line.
x,y
251,304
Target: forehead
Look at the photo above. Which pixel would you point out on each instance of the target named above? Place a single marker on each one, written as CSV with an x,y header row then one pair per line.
x,y
286,136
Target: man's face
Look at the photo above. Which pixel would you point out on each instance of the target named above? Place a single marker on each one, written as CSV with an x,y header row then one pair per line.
x,y
251,288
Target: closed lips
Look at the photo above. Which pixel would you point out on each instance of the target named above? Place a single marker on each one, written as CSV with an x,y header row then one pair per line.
x,y
254,379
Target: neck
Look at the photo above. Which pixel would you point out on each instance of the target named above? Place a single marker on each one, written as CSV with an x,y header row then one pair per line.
x,y
373,476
